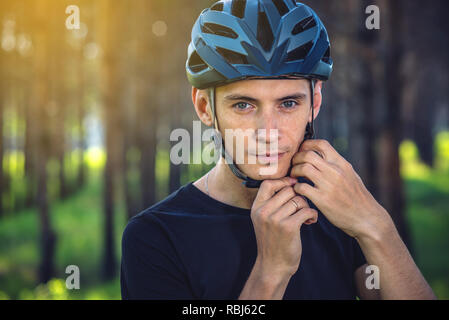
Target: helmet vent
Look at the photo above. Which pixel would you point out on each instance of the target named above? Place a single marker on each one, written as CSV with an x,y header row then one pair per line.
x,y
304,25
217,7
264,33
196,64
219,30
327,54
232,57
281,6
238,8
300,52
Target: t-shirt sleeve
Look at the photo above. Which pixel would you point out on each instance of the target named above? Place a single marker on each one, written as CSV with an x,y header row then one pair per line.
x,y
359,257
150,268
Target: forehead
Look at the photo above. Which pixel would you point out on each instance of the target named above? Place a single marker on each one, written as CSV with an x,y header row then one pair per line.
x,y
265,88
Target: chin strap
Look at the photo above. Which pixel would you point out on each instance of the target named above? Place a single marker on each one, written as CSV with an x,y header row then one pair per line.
x,y
219,142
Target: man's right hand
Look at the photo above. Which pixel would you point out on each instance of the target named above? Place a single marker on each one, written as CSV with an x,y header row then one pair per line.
x,y
277,222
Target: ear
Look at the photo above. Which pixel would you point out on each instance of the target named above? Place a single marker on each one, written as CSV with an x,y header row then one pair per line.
x,y
200,100
317,100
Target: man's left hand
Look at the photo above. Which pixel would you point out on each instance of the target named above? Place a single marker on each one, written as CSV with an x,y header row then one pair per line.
x,y
339,193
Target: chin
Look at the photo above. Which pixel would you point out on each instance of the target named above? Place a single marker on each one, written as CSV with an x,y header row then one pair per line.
x,y
267,172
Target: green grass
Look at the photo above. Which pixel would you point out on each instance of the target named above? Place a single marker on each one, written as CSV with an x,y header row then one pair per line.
x,y
78,222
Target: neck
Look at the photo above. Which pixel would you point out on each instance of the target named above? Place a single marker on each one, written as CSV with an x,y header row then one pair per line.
x,y
225,187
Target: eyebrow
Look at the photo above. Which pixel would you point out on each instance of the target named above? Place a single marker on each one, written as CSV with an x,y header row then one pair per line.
x,y
234,97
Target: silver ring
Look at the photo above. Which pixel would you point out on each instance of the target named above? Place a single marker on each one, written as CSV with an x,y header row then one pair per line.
x,y
296,205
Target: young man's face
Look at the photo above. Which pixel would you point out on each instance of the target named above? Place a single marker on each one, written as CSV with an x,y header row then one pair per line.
x,y
281,107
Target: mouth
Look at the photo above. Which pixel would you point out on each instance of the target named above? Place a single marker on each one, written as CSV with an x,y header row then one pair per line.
x,y
269,157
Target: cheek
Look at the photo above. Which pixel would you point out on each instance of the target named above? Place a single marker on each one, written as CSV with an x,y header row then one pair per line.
x,y
229,118
294,131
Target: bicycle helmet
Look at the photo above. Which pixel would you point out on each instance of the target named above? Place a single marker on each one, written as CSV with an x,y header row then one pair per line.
x,y
242,39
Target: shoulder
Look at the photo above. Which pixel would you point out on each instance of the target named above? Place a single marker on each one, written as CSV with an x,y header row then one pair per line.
x,y
141,231
152,224
173,202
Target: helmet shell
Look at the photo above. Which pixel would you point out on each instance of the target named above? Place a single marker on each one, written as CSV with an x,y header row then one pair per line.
x,y
237,39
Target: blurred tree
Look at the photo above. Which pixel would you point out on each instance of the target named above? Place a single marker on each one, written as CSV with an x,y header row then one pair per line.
x,y
30,146
148,90
111,36
7,28
364,79
129,112
390,183
79,92
23,79
2,97
181,107
60,99
40,109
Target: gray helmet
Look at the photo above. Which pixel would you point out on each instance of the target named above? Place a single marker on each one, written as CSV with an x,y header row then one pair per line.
x,y
237,39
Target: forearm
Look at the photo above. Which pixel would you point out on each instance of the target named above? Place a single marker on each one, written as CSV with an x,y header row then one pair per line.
x,y
264,285
400,278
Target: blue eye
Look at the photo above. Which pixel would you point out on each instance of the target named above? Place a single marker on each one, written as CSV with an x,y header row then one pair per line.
x,y
290,104
241,106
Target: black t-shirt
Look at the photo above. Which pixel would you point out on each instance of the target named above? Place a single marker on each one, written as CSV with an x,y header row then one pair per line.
x,y
191,246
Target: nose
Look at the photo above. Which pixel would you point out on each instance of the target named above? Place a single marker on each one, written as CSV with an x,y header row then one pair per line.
x,y
267,127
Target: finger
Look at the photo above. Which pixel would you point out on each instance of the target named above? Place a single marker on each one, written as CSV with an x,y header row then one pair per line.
x,y
306,190
269,188
279,199
311,157
312,220
324,148
302,216
290,208
308,171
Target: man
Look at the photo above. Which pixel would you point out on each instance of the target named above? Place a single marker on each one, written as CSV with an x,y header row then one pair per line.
x,y
308,229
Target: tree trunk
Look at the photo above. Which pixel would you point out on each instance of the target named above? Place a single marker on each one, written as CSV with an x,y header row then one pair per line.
x,y
390,186
362,110
1,131
30,150
81,176
148,159
40,110
147,99
111,33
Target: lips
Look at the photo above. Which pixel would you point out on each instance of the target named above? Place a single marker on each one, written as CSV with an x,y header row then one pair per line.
x,y
268,154
269,157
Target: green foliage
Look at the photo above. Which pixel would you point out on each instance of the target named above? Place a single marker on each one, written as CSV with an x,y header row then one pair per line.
x,y
427,194
442,149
